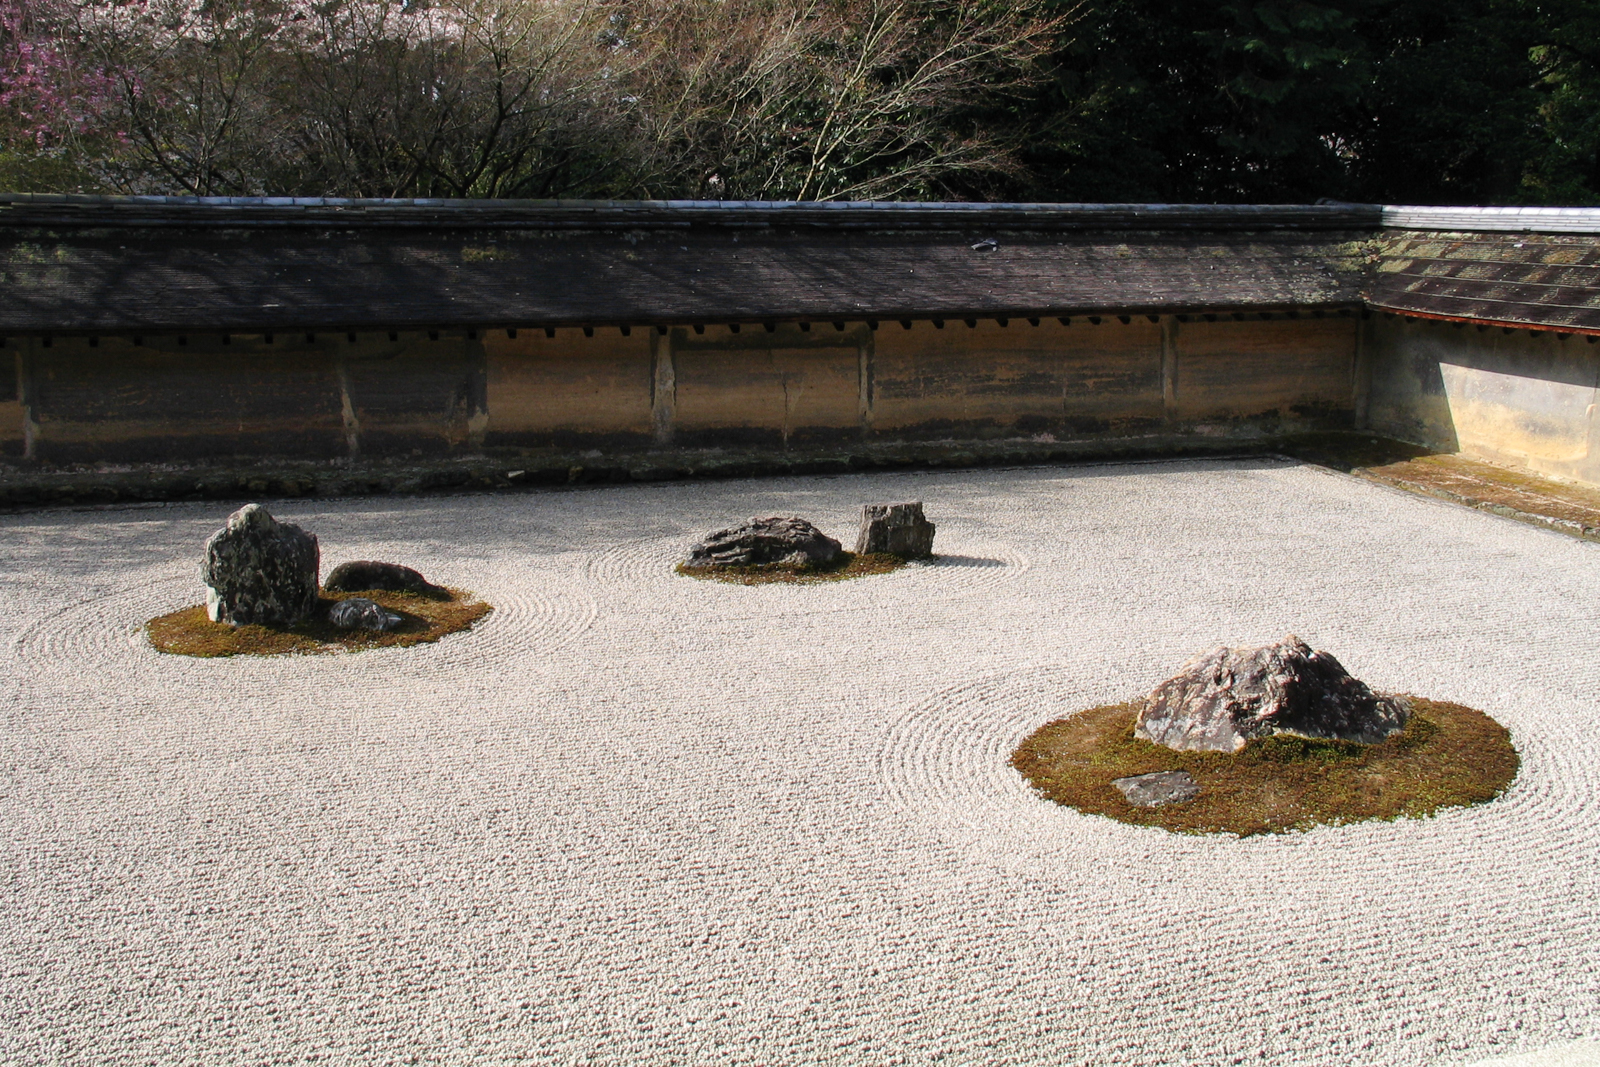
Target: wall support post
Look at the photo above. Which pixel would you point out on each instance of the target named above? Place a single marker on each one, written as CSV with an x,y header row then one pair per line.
x,y
1169,368
1361,373
347,410
864,398
663,386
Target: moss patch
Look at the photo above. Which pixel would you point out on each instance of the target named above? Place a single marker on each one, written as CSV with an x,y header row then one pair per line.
x,y
845,565
188,632
1447,756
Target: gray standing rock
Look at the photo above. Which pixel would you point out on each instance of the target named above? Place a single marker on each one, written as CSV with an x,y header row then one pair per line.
x,y
898,529
259,571
359,613
362,574
764,541
1162,787
1229,696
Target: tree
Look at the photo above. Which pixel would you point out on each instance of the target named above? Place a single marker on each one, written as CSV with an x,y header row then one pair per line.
x,y
829,99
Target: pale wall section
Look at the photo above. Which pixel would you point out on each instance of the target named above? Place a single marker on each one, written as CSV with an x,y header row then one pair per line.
x,y
1291,370
568,390
1521,398
993,380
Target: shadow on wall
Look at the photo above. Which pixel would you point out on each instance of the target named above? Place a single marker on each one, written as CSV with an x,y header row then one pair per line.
x,y
1525,398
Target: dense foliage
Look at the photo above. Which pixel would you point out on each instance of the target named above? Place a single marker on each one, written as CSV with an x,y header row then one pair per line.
x,y
1397,101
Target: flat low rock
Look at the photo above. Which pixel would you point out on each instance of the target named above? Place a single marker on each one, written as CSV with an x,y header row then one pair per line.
x,y
1162,787
259,571
765,541
359,613
1226,697
897,529
361,574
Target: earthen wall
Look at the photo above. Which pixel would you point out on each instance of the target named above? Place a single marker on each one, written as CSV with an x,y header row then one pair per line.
x,y
144,399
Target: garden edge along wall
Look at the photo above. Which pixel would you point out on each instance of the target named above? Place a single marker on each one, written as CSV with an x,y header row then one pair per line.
x,y
498,342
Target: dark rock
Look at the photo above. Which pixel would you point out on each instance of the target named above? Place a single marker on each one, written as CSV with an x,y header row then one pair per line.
x,y
1162,787
362,574
359,613
259,571
1228,696
764,541
898,529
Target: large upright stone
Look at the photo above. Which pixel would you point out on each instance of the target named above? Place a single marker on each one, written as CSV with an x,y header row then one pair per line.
x,y
1229,696
259,571
776,539
898,529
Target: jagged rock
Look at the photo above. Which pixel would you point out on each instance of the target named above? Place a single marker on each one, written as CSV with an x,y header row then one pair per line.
x,y
362,574
259,571
763,541
359,613
1228,696
1162,787
898,529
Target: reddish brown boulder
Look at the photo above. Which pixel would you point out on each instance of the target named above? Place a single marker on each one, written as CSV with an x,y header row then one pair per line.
x,y
1229,696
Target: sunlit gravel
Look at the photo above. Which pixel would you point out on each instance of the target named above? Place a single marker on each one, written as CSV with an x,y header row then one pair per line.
x,y
635,818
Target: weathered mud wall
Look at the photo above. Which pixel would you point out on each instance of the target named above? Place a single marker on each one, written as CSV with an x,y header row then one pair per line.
x,y
922,380
1520,397
113,400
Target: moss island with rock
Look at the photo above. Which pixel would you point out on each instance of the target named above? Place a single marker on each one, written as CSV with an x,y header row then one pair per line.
x,y
1252,741
263,598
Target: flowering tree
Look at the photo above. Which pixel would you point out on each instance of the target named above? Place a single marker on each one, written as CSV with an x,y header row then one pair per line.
x,y
807,99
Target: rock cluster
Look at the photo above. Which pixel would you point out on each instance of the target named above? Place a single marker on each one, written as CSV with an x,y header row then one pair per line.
x,y
1228,696
775,539
259,571
361,574
898,529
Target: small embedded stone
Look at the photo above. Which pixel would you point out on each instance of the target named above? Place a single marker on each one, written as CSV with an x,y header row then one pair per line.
x,y
359,613
896,529
768,541
1162,787
259,571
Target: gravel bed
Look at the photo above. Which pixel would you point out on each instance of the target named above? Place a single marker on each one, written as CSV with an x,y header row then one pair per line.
x,y
634,818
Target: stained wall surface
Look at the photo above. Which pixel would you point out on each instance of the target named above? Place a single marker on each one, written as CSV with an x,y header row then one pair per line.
x,y
1520,397
795,386
175,398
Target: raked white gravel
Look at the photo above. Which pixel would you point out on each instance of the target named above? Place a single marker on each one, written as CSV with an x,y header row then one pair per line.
x,y
636,818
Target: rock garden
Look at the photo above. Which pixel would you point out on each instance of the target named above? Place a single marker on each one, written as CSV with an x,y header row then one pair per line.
x,y
264,597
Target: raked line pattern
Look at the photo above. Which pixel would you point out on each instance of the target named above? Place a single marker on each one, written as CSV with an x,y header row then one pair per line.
x,y
634,818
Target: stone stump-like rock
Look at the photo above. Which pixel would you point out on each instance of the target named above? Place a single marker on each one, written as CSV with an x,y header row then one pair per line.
x,y
259,571
773,540
359,613
1229,696
362,574
898,529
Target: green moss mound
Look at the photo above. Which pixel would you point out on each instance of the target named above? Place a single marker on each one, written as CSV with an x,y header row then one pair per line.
x,y
1447,756
845,565
189,632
